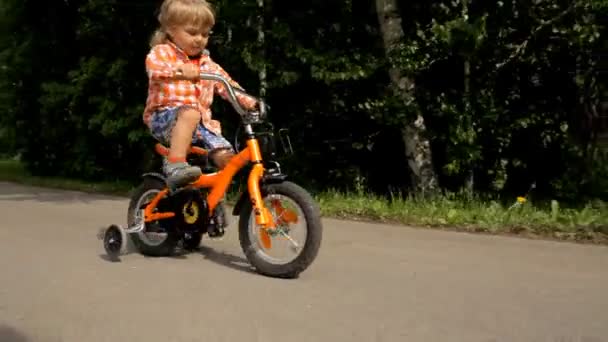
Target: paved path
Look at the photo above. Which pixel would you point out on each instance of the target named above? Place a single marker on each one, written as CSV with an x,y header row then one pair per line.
x,y
370,283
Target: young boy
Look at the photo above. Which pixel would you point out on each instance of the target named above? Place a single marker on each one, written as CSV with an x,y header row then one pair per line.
x,y
177,109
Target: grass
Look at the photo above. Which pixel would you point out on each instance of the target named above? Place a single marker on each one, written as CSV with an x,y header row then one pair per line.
x,y
452,212
462,213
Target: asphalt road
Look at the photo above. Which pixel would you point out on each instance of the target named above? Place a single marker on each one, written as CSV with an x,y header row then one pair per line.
x,y
369,283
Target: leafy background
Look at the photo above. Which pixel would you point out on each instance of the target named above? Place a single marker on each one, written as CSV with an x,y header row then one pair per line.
x,y
512,93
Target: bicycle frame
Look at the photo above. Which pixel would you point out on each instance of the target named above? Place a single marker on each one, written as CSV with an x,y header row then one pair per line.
x,y
219,181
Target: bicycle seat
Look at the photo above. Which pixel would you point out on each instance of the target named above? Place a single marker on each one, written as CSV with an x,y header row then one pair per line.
x,y
164,151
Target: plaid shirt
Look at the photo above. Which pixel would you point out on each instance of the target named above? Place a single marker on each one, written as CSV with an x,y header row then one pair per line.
x,y
164,92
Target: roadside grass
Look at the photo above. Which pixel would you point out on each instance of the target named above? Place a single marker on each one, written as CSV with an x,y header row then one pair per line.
x,y
450,211
472,214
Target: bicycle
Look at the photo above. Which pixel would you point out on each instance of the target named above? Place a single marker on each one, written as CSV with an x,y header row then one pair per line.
x,y
183,215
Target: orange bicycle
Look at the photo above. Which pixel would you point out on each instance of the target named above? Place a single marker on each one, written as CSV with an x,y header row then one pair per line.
x,y
159,218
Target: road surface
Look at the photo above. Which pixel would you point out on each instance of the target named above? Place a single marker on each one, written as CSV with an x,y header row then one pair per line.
x,y
369,283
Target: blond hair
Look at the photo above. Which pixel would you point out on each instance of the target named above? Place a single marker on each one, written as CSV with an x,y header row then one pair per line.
x,y
181,12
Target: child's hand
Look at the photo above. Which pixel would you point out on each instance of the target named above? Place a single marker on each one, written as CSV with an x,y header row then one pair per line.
x,y
188,71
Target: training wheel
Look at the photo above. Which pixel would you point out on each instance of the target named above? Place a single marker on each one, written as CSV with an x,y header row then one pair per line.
x,y
115,241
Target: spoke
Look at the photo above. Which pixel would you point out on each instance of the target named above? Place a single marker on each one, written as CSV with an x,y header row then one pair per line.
x,y
294,244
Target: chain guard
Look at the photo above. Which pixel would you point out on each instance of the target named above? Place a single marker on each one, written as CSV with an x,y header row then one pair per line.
x,y
190,208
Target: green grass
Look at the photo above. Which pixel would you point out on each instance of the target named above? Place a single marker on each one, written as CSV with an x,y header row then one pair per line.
x,y
453,212
459,212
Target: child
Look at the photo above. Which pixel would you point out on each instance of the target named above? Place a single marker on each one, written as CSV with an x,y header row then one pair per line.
x,y
177,109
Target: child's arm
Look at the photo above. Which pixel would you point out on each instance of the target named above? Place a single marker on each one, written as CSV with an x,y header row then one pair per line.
x,y
246,101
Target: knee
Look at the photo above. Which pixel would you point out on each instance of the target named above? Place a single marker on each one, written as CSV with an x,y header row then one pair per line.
x,y
190,115
221,157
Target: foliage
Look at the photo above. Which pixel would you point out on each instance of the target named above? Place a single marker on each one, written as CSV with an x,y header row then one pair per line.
x,y
511,92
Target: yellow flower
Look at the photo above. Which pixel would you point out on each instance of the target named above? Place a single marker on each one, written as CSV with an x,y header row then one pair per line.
x,y
521,199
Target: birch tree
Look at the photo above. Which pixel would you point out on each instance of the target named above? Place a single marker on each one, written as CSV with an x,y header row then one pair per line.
x,y
417,145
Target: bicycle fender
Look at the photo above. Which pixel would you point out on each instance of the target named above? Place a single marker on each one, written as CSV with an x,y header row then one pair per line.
x,y
155,175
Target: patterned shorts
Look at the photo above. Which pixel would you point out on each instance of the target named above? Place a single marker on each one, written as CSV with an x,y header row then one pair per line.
x,y
162,123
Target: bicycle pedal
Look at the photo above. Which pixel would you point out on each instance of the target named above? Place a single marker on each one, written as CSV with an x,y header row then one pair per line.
x,y
173,191
216,232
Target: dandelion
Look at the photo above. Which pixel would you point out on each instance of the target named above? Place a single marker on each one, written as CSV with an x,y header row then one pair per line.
x,y
519,201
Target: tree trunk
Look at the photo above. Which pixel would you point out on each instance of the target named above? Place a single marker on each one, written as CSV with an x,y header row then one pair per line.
x,y
417,146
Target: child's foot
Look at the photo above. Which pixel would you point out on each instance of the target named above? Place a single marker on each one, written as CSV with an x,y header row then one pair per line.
x,y
218,221
220,215
180,174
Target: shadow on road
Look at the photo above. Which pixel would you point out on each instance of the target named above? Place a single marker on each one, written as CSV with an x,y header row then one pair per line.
x,y
228,260
10,334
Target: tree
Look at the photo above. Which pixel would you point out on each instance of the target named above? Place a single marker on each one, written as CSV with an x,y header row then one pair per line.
x,y
417,145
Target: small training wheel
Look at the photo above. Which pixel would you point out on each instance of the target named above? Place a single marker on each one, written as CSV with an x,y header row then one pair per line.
x,y
114,241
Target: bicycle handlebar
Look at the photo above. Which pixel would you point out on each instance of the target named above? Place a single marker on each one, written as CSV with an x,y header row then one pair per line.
x,y
232,94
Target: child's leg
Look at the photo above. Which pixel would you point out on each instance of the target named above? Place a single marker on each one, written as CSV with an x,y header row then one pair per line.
x,y
177,169
221,156
220,149
181,134
176,127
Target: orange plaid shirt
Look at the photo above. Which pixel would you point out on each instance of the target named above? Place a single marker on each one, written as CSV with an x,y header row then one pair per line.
x,y
164,92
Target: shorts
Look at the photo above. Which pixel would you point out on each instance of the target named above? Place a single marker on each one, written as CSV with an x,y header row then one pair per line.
x,y
163,120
